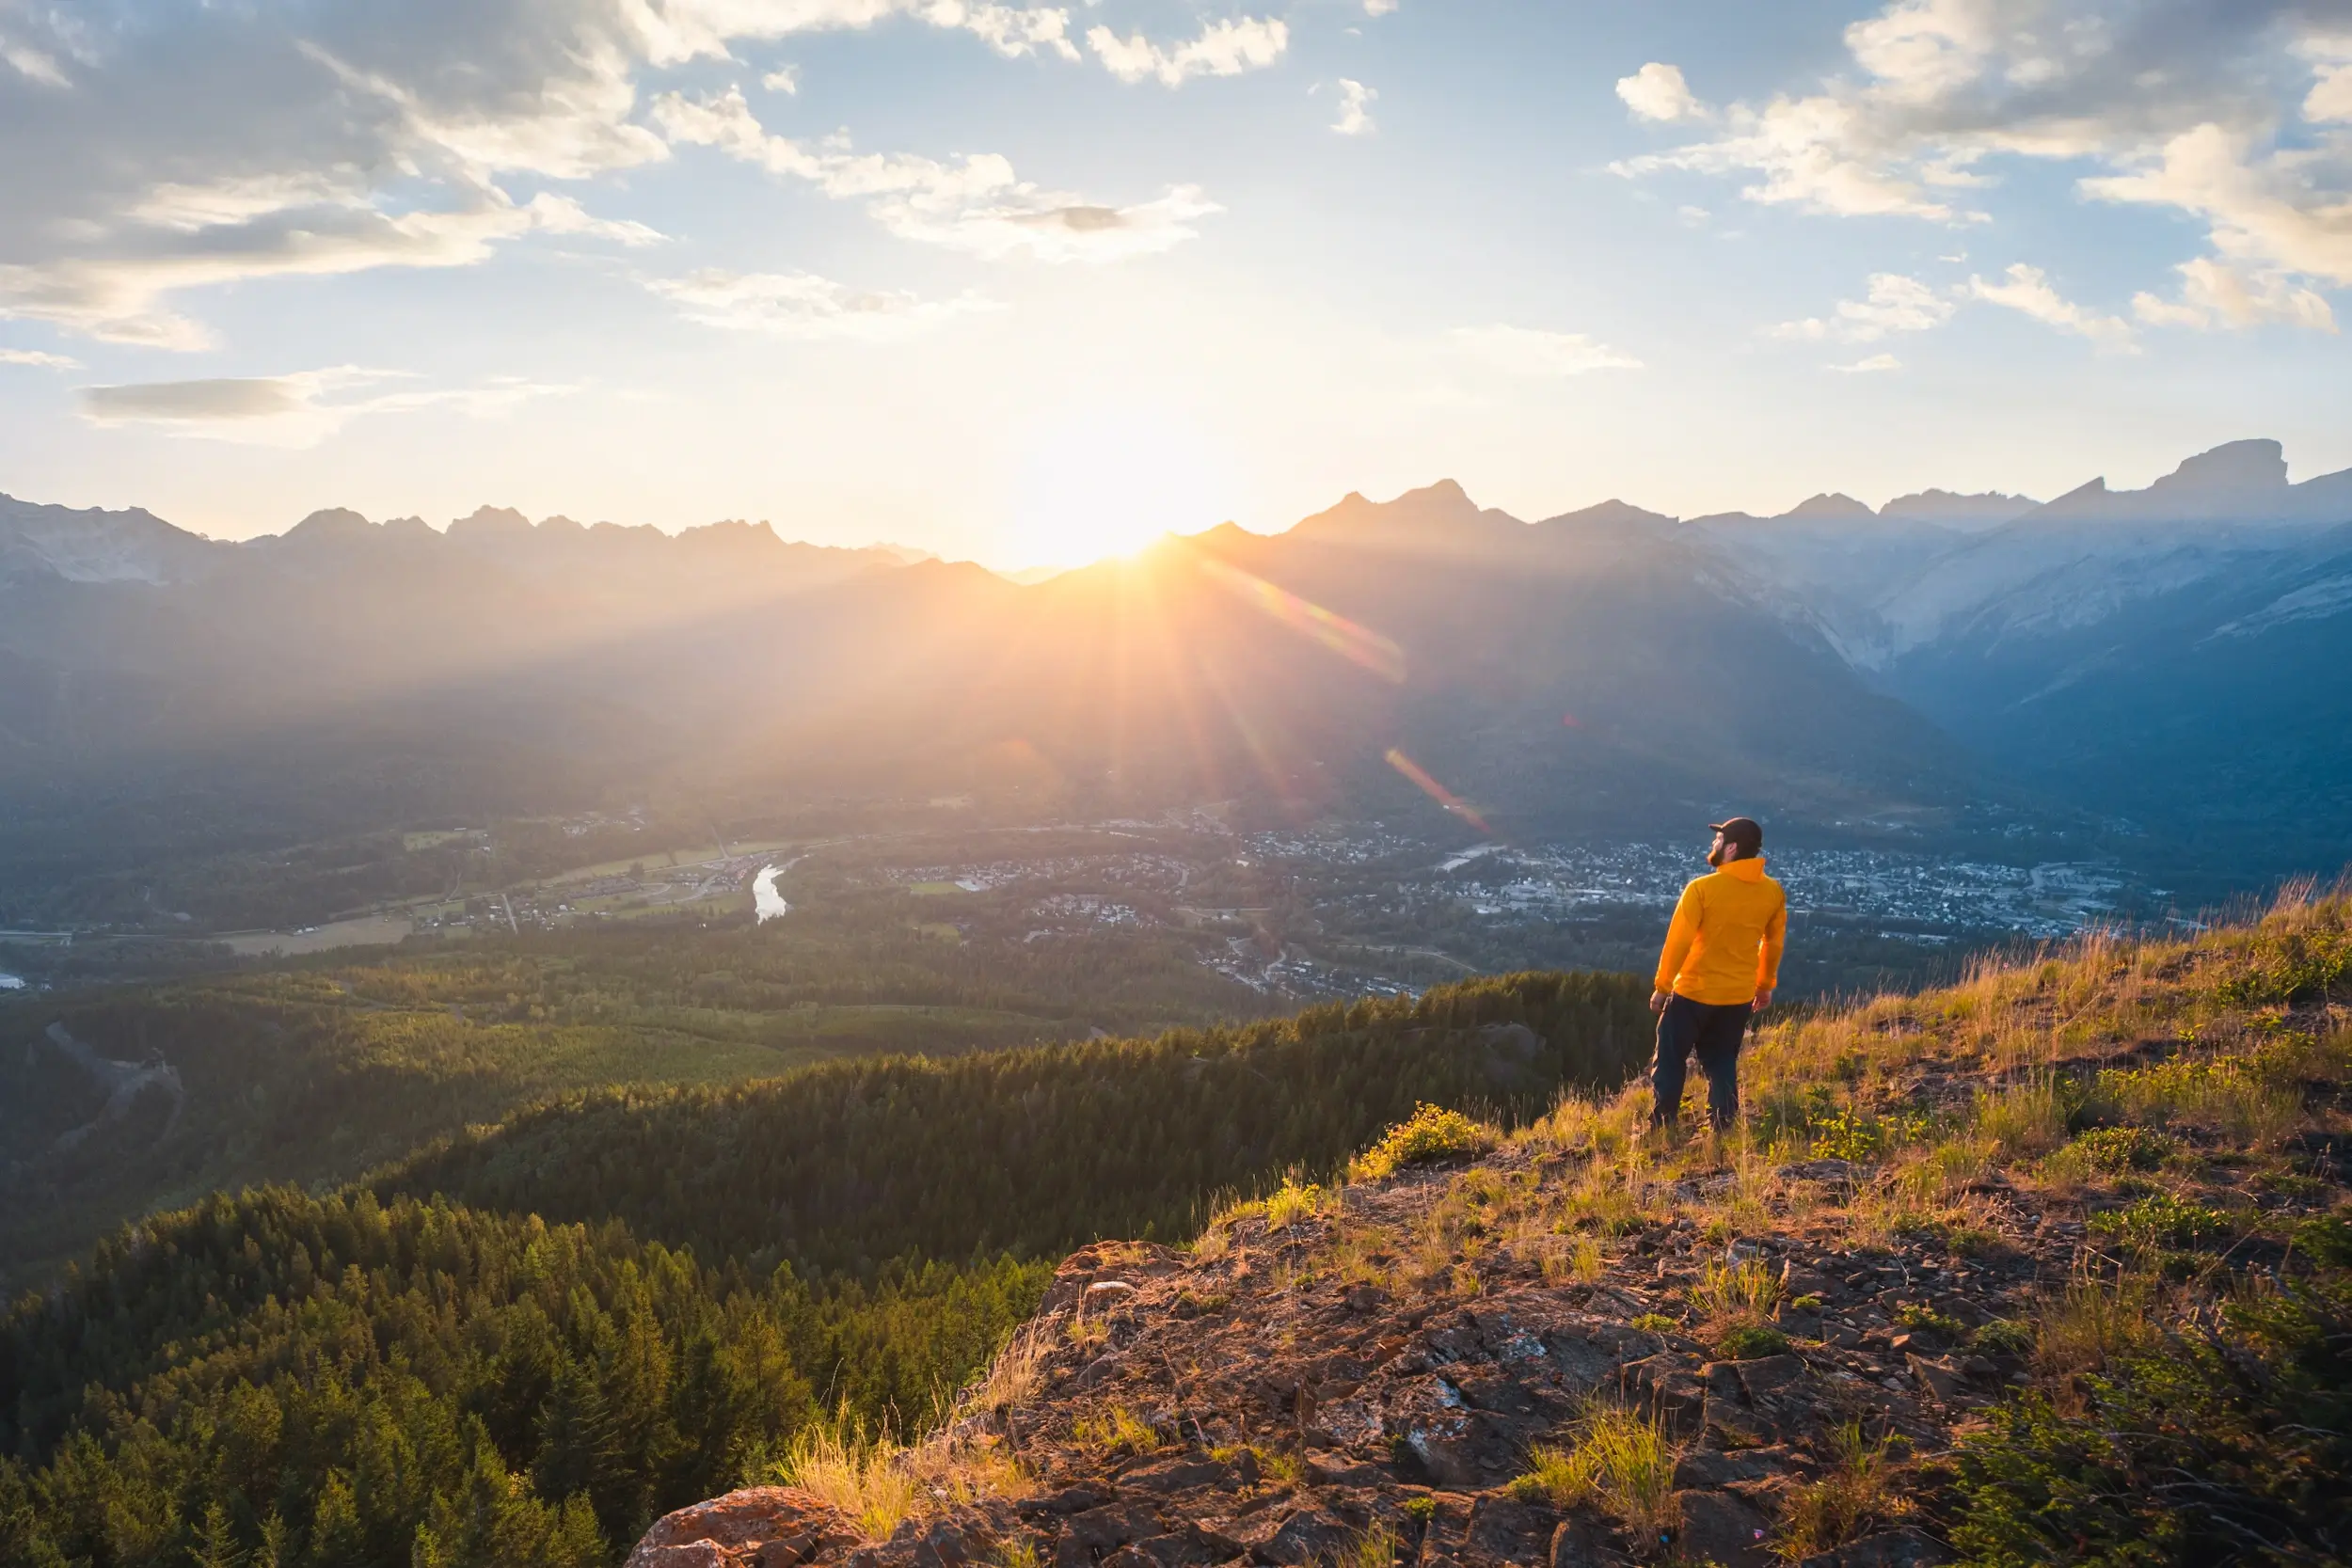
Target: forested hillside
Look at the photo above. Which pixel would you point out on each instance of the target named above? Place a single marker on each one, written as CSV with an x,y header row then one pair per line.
x,y
386,1377
1031,1152
316,1069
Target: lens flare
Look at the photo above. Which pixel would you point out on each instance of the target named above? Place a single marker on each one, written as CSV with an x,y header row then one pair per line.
x,y
1437,791
1358,644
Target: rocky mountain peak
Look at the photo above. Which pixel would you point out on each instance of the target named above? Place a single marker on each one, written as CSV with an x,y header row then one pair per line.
x,y
490,522
2260,465
1830,506
330,522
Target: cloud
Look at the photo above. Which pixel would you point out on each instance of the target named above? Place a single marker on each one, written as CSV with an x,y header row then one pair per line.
x,y
118,298
1526,351
1875,363
1355,109
2028,291
297,410
679,30
37,360
1893,302
163,149
1658,93
2330,98
975,203
1379,8
806,307
1227,47
785,78
2230,110
2215,293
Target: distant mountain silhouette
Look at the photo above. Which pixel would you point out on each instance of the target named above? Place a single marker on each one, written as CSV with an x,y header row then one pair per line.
x,y
2170,656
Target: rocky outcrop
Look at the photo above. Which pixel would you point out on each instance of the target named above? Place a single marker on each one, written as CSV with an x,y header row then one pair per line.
x,y
763,1527
1292,1397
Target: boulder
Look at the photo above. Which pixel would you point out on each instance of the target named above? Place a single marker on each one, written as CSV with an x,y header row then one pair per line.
x,y
761,1527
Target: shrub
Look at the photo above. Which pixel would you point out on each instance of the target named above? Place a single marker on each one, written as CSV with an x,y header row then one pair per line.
x,y
1654,1322
2162,1221
2116,1150
1274,1465
2002,1336
1430,1135
1282,1207
1926,1320
2218,1092
1750,1341
2326,1241
2222,1444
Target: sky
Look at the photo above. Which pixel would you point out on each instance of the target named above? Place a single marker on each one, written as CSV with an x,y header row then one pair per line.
x,y
1029,284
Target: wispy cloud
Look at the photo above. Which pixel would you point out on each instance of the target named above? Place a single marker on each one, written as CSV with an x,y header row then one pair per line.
x,y
806,307
1227,47
1891,302
297,410
37,359
1876,362
1531,351
976,203
183,146
2030,291
1356,101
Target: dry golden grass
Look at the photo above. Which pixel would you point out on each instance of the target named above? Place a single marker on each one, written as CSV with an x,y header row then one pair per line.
x,y
1857,1492
1016,1372
1617,1459
877,1483
1115,1430
1743,1294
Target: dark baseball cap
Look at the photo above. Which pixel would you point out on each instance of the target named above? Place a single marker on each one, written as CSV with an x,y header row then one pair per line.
x,y
1741,830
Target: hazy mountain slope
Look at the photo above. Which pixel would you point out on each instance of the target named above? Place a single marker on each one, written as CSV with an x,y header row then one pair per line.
x,y
1608,670
2217,715
1589,672
1600,670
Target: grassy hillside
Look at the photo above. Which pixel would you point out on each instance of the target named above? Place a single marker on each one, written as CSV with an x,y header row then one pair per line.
x,y
2052,1266
2056,1257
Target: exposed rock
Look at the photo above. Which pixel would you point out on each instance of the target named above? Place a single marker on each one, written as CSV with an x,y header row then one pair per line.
x,y
1719,1528
763,1527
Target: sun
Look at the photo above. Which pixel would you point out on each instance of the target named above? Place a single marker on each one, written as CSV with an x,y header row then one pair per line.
x,y
1108,481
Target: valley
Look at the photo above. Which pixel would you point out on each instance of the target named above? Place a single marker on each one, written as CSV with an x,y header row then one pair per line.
x,y
512,1058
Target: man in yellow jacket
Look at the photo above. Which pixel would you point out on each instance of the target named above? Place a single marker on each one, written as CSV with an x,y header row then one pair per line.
x,y
1721,963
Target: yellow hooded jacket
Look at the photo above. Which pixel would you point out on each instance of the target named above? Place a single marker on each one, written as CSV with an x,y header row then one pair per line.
x,y
1726,940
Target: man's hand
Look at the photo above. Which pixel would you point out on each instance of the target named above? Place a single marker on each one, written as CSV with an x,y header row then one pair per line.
x,y
1658,1000
1763,998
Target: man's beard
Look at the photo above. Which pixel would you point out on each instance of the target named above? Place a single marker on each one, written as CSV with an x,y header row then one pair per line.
x,y
1716,856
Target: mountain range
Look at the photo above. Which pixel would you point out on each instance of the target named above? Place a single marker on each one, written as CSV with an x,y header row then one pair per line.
x,y
2164,663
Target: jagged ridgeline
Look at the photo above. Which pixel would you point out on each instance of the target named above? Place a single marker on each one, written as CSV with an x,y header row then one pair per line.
x,y
1032,1152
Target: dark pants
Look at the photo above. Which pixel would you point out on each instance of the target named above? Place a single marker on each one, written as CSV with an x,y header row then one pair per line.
x,y
1714,1033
